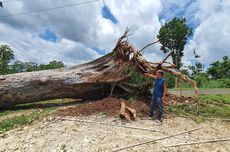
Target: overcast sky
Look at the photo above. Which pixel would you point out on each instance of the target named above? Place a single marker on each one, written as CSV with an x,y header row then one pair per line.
x,y
81,33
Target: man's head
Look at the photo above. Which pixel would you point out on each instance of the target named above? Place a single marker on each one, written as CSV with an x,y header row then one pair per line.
x,y
160,73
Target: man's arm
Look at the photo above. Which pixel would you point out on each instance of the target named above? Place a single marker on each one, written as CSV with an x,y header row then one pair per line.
x,y
150,75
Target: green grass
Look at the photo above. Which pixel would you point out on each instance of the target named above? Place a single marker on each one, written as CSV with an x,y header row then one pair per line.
x,y
178,89
29,112
225,98
21,120
63,148
217,106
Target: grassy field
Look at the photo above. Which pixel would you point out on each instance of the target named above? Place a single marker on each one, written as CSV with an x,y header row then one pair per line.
x,y
24,114
211,106
178,89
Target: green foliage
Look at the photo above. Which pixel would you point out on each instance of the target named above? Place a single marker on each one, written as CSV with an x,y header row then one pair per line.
x,y
138,80
220,98
201,80
137,77
173,36
63,148
13,122
6,54
204,82
29,112
52,65
170,80
196,69
19,66
211,106
16,121
220,69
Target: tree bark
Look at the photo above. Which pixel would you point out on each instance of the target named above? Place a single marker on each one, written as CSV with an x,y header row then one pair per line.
x,y
92,80
83,81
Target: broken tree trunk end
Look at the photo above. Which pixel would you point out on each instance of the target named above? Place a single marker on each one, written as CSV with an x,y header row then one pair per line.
x,y
131,112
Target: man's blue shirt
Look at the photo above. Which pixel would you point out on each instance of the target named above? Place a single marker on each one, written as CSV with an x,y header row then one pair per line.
x,y
159,87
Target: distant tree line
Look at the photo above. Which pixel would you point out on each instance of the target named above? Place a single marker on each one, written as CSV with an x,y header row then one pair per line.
x,y
7,55
217,74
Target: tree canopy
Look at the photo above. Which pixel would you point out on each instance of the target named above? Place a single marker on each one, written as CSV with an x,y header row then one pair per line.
x,y
173,36
6,55
220,69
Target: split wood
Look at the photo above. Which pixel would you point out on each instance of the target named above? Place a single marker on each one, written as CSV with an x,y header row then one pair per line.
x,y
128,116
199,142
114,125
154,140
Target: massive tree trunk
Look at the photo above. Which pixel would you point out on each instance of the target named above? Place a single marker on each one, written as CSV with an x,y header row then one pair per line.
x,y
86,81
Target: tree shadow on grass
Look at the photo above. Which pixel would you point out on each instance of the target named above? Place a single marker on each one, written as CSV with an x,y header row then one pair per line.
x,y
44,104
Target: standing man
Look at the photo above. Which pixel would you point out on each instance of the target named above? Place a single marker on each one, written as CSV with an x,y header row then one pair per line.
x,y
159,93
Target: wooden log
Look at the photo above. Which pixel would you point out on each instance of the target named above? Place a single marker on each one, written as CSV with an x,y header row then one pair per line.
x,y
123,114
82,81
132,112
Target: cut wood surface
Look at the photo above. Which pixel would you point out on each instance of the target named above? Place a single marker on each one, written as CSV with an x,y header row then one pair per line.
x,y
131,112
123,114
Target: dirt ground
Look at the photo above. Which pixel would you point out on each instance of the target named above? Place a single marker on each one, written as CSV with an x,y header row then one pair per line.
x,y
55,133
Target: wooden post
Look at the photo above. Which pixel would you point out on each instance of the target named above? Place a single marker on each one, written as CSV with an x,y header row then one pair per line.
x,y
180,82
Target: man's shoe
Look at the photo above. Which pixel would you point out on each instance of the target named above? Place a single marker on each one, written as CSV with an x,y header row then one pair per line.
x,y
159,122
150,118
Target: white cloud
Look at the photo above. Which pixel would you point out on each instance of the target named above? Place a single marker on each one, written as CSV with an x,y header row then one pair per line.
x,y
32,48
82,27
211,37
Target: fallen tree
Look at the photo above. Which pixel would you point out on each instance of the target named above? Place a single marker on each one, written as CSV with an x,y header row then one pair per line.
x,y
113,72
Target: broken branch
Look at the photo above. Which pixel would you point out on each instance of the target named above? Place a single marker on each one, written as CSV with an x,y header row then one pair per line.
x,y
148,45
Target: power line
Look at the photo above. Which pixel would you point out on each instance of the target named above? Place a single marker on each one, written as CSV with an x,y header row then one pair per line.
x,y
9,1
48,9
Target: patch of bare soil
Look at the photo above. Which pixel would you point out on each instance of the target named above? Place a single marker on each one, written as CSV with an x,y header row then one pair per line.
x,y
55,134
110,106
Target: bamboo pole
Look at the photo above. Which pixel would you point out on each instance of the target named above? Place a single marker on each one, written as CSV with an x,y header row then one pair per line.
x,y
114,125
198,142
154,140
